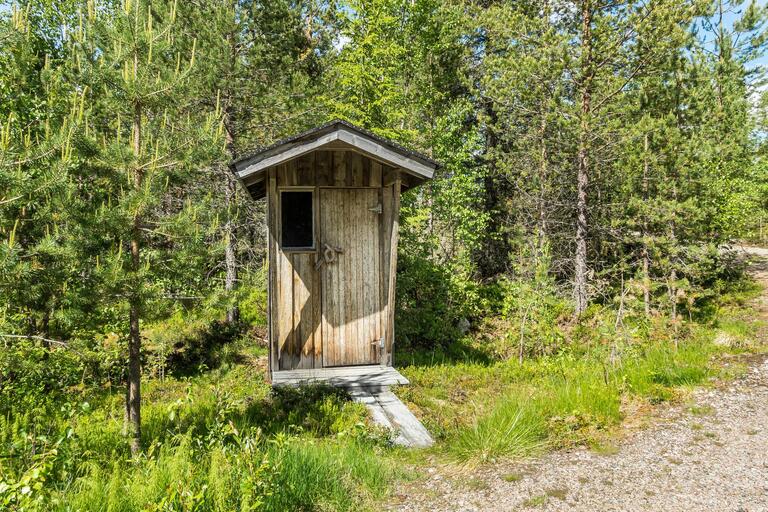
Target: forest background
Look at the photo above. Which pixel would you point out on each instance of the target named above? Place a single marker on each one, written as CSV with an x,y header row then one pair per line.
x,y
598,159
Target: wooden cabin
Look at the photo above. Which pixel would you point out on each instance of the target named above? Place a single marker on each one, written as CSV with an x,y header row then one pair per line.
x,y
333,200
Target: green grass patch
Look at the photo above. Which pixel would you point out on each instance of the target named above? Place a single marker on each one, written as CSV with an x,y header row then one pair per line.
x,y
701,410
249,474
486,412
513,429
536,501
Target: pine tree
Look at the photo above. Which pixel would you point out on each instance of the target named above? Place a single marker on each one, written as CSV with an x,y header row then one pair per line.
x,y
125,58
40,114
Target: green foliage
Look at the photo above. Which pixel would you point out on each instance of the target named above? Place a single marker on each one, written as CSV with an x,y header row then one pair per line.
x,y
117,120
253,301
483,404
534,309
425,296
512,430
248,472
217,441
516,410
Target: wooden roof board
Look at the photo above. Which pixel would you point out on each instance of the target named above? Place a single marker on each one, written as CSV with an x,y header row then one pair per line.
x,y
251,168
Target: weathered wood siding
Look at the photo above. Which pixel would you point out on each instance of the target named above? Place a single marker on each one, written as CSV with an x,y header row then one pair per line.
x,y
351,303
299,328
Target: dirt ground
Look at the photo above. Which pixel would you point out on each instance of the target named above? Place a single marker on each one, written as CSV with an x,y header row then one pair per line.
x,y
708,453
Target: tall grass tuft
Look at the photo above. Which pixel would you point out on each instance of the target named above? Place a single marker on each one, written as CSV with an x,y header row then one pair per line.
x,y
515,428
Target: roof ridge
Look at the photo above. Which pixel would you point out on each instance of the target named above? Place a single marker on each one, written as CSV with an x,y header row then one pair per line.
x,y
293,138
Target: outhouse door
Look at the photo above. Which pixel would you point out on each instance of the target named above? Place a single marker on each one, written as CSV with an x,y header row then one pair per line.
x,y
350,274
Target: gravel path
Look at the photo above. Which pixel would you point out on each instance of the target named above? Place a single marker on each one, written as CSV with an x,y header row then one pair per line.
x,y
708,454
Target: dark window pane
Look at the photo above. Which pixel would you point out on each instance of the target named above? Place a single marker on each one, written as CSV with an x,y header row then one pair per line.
x,y
296,219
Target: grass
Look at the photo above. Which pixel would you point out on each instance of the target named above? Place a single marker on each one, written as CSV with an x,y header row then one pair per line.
x,y
513,429
558,493
486,412
217,441
604,448
701,410
482,409
536,501
221,439
294,475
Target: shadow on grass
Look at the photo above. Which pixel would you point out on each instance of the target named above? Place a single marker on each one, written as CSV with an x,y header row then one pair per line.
x,y
458,352
321,410
317,410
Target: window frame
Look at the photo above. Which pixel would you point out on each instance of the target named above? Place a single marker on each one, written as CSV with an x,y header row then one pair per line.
x,y
279,213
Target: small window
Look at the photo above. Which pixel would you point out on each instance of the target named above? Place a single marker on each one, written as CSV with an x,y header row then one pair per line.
x,y
296,220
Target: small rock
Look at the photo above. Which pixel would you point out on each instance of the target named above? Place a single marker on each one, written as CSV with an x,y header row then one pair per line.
x,y
463,325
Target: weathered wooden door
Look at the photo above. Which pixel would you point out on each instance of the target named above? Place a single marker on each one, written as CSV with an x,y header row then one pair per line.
x,y
350,275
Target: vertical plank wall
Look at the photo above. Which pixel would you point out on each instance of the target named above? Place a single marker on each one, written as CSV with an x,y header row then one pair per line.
x,y
350,292
295,288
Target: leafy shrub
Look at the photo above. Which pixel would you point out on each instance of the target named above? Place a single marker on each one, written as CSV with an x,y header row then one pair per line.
x,y
319,409
252,295
431,299
423,313
37,378
185,343
534,312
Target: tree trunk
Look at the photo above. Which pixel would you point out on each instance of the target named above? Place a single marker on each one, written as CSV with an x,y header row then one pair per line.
x,y
645,251
673,270
582,177
230,255
720,59
543,177
541,238
492,258
230,259
134,339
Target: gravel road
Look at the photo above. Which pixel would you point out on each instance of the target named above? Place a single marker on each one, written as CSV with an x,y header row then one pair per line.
x,y
710,453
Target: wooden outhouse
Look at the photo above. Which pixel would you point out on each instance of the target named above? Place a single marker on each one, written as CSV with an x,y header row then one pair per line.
x,y
333,199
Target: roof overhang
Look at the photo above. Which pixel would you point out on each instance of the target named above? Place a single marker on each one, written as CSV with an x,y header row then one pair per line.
x,y
250,170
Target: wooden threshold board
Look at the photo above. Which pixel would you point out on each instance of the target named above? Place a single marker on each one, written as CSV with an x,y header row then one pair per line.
x,y
372,376
388,411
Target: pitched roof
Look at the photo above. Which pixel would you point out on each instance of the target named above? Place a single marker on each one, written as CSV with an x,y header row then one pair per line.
x,y
251,168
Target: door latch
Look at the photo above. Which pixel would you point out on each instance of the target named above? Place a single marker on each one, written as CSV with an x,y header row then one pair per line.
x,y
376,209
328,255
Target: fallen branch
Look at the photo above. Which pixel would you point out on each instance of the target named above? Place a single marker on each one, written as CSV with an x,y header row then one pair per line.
x,y
33,337
40,338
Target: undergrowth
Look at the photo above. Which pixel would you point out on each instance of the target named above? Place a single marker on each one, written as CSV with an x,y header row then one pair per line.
x,y
482,408
220,439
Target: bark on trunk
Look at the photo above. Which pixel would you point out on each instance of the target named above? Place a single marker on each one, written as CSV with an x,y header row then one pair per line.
x,y
646,256
134,339
543,177
582,178
230,259
673,269
230,255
